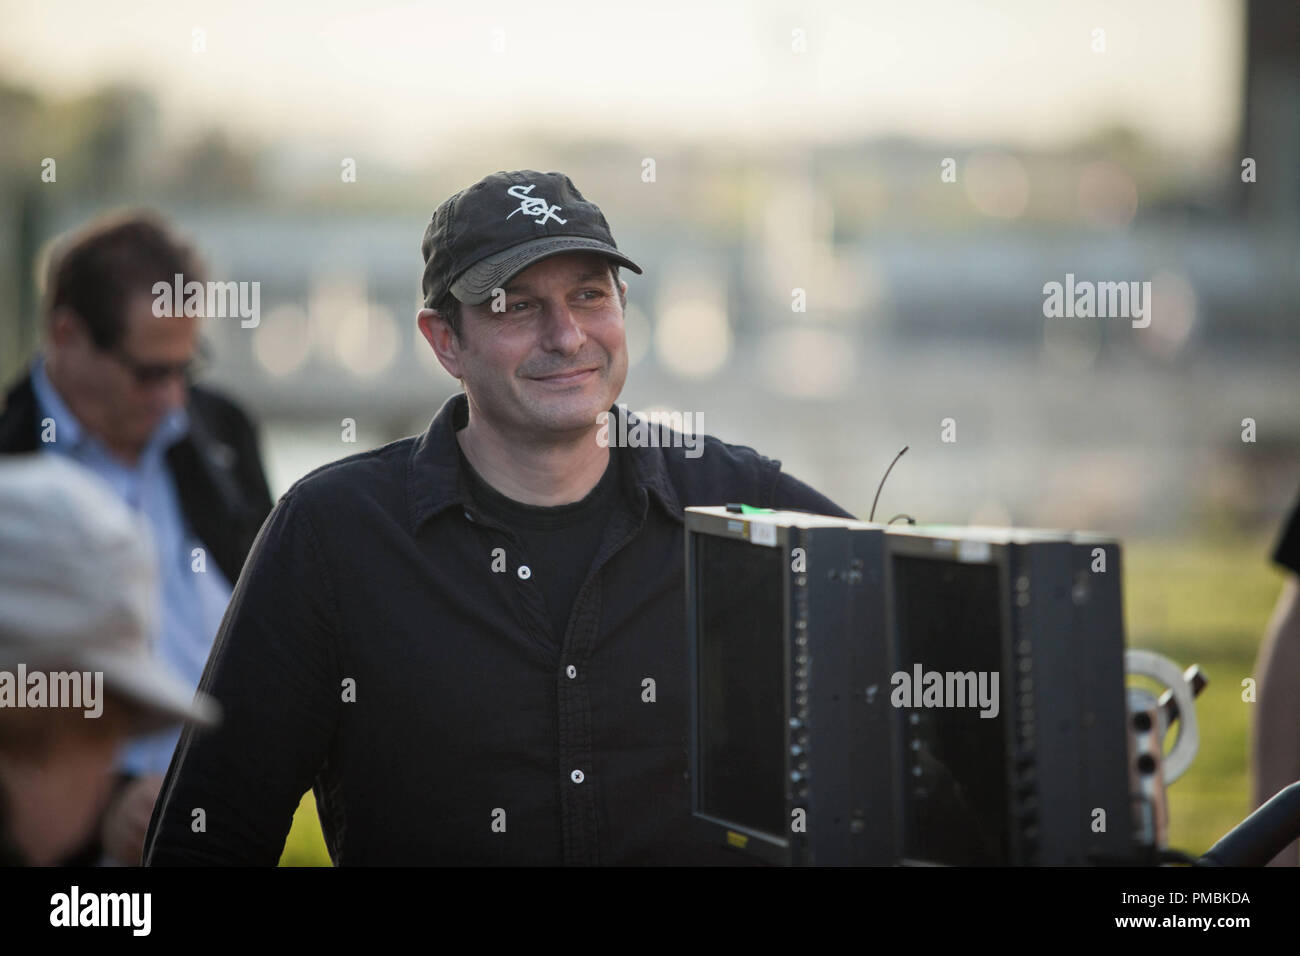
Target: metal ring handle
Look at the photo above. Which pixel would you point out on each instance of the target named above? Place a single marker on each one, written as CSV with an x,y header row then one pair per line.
x,y
1162,669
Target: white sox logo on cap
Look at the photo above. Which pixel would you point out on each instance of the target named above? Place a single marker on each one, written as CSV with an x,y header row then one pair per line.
x,y
471,247
533,205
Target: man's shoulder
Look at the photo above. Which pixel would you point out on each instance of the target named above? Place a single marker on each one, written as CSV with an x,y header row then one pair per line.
x,y
724,455
378,473
219,411
18,415
1286,551
705,469
711,472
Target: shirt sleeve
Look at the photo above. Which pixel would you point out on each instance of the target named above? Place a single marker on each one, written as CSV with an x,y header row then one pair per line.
x,y
791,494
1287,550
274,670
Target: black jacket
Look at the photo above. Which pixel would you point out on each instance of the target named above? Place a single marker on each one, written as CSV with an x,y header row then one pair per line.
x,y
376,651
216,467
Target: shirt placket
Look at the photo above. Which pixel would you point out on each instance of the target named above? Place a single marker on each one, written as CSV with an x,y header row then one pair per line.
x,y
579,799
530,598
579,816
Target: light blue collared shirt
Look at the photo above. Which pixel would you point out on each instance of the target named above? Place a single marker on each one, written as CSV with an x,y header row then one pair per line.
x,y
192,603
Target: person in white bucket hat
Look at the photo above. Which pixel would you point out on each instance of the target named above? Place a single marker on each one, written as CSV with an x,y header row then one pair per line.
x,y
78,599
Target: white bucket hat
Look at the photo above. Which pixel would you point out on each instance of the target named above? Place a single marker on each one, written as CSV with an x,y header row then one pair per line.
x,y
79,588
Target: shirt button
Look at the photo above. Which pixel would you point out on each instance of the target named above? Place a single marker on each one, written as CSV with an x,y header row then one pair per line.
x,y
524,572
576,776
571,671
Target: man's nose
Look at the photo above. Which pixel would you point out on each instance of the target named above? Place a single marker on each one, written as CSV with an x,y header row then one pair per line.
x,y
563,328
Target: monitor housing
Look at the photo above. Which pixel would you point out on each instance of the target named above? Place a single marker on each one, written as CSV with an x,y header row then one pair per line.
x,y
836,694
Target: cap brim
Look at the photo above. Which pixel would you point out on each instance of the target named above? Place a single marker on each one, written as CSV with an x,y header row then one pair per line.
x,y
475,284
161,698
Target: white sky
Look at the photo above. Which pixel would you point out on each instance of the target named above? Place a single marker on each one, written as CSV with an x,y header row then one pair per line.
x,y
410,75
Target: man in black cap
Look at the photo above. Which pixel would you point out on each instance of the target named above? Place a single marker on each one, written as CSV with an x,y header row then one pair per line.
x,y
471,642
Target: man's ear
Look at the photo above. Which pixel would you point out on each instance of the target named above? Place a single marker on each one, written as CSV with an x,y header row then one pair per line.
x,y
64,327
441,339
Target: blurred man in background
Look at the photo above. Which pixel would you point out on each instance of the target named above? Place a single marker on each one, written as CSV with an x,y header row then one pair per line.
x,y
78,598
110,390
1275,750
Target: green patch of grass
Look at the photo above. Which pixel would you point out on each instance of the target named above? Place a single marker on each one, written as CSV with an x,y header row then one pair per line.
x,y
1205,602
305,845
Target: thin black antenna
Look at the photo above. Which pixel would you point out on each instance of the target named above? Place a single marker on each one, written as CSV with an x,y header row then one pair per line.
x,y
872,516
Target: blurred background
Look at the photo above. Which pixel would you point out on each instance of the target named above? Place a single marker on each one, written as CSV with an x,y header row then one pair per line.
x,y
741,152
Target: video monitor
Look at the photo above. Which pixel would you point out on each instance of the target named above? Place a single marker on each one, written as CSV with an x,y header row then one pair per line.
x,y
1009,645
742,663
790,756
863,694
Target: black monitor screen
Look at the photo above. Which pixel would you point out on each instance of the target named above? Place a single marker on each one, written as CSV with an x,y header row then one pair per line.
x,y
949,621
741,663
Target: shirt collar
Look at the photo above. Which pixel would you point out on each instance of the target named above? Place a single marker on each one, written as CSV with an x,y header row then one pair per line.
x,y
72,433
434,479
70,430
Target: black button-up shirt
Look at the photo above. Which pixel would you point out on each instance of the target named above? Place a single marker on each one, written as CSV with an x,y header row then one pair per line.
x,y
378,650
558,543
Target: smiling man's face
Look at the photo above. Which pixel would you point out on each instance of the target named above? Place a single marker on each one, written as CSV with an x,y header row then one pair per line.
x,y
562,315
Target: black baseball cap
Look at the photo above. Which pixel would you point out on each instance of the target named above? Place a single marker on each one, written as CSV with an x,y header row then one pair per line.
x,y
501,225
